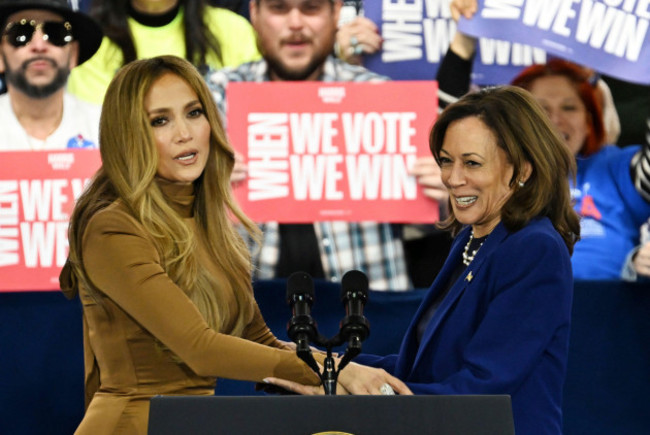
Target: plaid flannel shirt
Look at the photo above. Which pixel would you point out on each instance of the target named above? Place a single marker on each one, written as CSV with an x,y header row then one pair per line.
x,y
371,247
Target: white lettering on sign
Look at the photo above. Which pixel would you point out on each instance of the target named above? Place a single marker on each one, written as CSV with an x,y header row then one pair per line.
x,y
316,177
617,27
410,27
497,52
9,223
379,132
381,176
42,229
303,153
268,153
615,31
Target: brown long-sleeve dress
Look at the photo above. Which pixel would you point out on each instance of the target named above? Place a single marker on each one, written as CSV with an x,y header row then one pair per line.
x,y
125,363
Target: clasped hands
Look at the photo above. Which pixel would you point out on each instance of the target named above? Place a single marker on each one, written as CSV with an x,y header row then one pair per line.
x,y
353,379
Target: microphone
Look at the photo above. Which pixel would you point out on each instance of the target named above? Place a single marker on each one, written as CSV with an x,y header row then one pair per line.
x,y
354,294
300,296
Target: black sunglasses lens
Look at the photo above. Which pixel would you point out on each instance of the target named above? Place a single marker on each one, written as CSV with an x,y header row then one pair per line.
x,y
20,34
58,34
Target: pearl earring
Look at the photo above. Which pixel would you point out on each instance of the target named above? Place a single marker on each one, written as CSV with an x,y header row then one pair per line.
x,y
521,183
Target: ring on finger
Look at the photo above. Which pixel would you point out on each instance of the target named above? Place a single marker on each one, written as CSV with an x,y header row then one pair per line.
x,y
386,390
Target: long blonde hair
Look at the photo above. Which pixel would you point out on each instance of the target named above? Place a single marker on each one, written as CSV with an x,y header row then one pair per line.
x,y
129,165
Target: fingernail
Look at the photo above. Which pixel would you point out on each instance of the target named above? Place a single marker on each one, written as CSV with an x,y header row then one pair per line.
x,y
266,381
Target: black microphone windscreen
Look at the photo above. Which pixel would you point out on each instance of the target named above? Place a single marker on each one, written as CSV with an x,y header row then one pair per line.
x,y
354,280
299,283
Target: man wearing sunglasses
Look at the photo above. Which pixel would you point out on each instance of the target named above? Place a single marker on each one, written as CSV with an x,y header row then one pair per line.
x,y
41,41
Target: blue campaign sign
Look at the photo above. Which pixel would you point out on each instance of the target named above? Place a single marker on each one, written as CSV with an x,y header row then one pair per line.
x,y
610,36
417,34
498,62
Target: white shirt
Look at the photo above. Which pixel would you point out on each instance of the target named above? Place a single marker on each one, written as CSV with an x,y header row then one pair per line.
x,y
79,128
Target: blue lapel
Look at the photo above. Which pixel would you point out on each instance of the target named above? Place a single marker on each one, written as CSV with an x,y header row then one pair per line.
x,y
464,282
409,345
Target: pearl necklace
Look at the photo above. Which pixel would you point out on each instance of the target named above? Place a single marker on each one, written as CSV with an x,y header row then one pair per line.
x,y
467,258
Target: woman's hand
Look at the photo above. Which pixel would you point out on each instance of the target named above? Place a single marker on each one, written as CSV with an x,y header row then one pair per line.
x,y
463,45
464,8
359,379
240,170
288,345
427,173
357,37
353,379
642,260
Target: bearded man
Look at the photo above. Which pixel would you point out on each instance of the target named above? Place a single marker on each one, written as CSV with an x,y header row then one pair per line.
x,y
42,40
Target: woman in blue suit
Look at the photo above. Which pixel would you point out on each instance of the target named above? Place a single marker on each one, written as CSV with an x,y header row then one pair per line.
x,y
496,319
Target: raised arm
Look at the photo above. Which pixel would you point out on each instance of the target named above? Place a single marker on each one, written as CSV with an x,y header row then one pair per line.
x,y
455,69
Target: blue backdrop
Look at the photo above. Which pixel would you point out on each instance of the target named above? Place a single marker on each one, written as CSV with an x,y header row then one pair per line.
x,y
41,359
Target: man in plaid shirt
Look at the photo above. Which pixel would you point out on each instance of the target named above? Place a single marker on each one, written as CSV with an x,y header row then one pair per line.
x,y
296,38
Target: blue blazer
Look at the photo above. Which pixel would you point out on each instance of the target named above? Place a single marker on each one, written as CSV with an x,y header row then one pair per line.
x,y
503,328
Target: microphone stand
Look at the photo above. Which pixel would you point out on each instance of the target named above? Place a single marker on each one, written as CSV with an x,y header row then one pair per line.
x,y
353,328
330,373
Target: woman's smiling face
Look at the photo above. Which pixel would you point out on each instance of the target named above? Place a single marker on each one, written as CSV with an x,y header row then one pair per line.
x,y
477,174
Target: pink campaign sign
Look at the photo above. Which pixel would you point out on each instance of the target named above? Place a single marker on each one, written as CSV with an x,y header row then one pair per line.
x,y
37,194
321,151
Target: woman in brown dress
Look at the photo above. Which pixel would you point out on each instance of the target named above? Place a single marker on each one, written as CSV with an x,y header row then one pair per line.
x,y
163,276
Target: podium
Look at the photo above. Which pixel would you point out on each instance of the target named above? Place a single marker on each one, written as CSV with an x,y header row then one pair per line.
x,y
306,415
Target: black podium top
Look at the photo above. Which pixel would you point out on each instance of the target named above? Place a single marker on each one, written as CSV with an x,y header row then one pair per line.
x,y
306,415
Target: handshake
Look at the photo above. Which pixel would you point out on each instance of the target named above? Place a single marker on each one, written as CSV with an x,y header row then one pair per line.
x,y
354,328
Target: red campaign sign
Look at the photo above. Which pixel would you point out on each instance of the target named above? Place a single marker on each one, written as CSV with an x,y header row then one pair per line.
x,y
320,151
37,194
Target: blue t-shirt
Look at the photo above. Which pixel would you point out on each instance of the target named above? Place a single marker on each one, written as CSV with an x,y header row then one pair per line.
x,y
611,213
